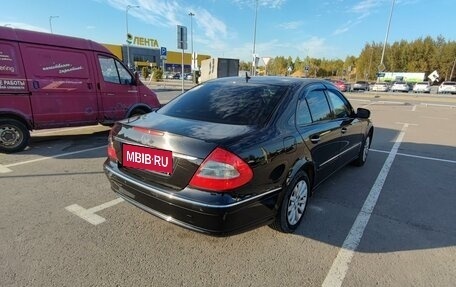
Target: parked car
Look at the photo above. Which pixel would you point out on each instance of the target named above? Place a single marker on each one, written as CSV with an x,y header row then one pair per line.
x,y
189,76
380,87
447,87
168,75
371,86
234,153
422,87
400,87
341,85
361,86
177,76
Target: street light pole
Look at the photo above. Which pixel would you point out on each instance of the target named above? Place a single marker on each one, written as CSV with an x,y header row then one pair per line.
x,y
191,38
50,21
382,66
254,39
126,22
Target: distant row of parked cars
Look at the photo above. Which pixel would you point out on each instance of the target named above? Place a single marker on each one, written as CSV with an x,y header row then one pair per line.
x,y
177,76
446,87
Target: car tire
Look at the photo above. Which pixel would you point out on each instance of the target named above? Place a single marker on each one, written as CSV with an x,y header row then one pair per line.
x,y
14,136
363,152
293,205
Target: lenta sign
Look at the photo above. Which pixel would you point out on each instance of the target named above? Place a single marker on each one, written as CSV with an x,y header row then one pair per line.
x,y
149,42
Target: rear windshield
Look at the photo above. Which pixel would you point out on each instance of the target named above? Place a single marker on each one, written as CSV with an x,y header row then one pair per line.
x,y
227,103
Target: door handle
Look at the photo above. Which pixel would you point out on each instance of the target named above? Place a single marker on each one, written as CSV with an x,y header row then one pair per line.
x,y
109,94
344,130
315,139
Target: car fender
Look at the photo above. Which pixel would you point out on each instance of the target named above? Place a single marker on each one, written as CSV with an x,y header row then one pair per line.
x,y
369,129
304,164
17,115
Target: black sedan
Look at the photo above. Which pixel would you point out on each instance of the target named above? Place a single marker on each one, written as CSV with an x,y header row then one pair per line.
x,y
235,153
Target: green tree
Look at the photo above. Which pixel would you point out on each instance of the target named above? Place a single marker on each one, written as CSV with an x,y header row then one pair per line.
x,y
245,66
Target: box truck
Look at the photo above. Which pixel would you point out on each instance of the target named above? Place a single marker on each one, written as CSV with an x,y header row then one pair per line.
x,y
51,81
214,68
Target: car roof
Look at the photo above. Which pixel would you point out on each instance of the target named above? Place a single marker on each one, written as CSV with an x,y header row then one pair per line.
x,y
271,80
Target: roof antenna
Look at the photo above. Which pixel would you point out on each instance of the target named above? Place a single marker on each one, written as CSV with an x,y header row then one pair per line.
x,y
247,78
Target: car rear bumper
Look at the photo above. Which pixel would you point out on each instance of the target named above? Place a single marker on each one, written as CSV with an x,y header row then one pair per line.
x,y
215,215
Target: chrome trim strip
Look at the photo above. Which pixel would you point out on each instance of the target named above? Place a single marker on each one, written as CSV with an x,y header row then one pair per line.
x,y
171,196
179,155
338,155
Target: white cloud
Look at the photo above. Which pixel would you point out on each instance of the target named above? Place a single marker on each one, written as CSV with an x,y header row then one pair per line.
x,y
18,25
346,27
264,3
365,7
291,25
313,46
213,31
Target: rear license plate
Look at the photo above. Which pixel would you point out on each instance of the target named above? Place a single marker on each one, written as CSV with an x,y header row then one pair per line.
x,y
151,159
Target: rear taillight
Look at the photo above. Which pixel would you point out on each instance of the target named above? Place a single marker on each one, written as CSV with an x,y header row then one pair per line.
x,y
111,151
112,155
221,171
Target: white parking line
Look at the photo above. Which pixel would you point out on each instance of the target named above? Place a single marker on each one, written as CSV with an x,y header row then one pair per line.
x,y
45,132
391,102
54,156
340,265
414,108
436,118
4,169
384,103
416,156
438,105
89,214
359,100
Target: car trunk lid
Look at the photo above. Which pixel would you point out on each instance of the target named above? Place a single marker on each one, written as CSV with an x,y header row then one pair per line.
x,y
159,149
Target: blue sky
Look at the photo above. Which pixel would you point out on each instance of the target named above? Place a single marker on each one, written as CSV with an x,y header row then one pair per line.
x,y
225,28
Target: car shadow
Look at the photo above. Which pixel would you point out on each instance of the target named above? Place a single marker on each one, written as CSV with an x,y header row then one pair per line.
x,y
415,209
50,144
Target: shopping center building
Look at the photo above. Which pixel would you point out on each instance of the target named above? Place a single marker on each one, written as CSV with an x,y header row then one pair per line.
x,y
146,52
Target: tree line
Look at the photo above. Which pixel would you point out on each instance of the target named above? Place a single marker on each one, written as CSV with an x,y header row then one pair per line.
x,y
421,55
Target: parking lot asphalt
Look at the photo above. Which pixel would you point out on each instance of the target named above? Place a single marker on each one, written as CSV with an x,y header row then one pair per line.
x,y
389,223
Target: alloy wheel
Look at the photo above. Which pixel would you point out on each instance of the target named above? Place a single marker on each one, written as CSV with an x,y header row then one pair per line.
x,y
297,202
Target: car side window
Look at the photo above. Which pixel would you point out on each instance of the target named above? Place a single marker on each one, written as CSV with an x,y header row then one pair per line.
x,y
125,76
303,114
109,70
318,105
340,106
114,72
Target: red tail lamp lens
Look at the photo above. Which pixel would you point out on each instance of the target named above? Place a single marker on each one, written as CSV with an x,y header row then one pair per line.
x,y
221,171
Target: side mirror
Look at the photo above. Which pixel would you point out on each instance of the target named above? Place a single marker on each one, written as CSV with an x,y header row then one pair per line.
x,y
363,113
